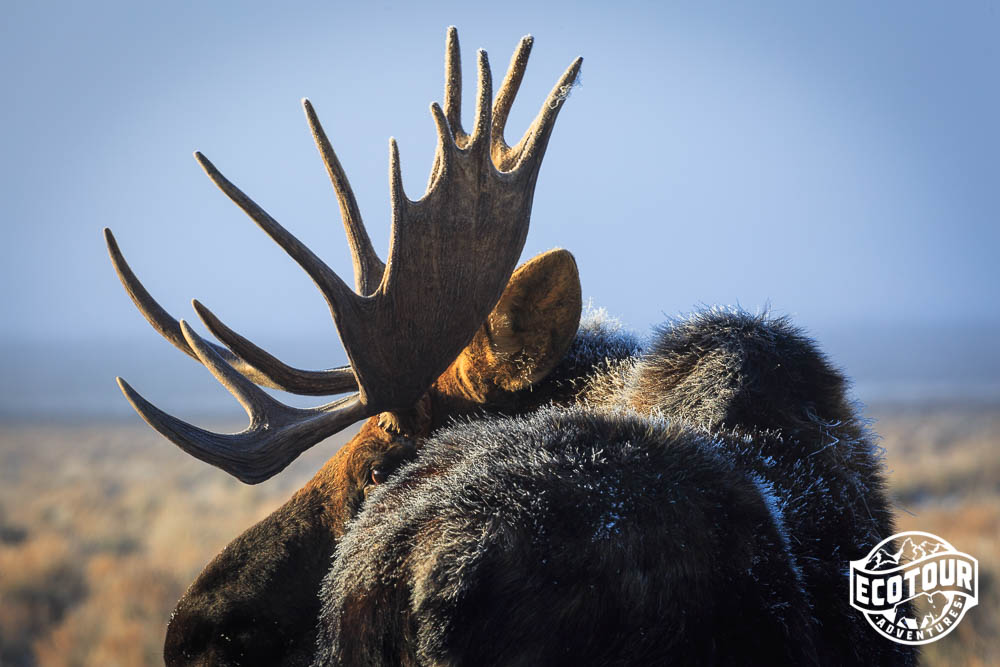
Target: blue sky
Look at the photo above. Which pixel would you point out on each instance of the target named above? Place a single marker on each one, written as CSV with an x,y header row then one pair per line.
x,y
838,162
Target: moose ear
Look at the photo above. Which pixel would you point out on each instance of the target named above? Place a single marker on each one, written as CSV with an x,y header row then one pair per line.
x,y
528,331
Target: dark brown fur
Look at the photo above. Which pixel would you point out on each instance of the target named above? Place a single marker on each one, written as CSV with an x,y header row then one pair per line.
x,y
699,509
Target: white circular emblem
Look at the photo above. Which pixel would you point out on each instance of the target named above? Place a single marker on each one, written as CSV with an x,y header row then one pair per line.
x,y
914,587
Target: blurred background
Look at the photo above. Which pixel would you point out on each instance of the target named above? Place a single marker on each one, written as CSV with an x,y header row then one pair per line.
x,y
833,163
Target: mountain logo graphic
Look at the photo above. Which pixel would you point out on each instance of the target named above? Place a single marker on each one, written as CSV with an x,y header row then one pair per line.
x,y
914,587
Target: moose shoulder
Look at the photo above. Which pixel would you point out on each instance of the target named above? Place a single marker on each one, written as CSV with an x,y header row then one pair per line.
x,y
525,489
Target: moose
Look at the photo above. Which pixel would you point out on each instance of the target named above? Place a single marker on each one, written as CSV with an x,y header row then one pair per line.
x,y
529,486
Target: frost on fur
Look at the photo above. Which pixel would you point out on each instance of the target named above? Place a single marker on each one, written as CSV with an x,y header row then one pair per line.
x,y
691,500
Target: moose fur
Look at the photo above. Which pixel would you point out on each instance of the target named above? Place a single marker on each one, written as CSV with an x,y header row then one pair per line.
x,y
693,503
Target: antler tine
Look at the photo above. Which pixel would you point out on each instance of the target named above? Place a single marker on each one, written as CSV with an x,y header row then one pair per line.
x,y
445,151
257,365
154,313
397,196
307,383
338,295
256,403
368,268
531,148
277,433
325,278
505,99
481,136
482,131
453,87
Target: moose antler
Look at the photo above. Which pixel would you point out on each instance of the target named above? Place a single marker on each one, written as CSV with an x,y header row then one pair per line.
x,y
451,254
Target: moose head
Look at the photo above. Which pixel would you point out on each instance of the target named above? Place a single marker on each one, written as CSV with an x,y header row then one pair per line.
x,y
446,327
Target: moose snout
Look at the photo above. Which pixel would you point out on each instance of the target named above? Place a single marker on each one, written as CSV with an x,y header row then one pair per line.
x,y
255,603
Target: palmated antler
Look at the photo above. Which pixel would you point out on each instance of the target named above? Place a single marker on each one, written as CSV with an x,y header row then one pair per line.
x,y
451,254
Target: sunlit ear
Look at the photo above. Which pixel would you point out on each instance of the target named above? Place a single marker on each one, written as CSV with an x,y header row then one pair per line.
x,y
528,331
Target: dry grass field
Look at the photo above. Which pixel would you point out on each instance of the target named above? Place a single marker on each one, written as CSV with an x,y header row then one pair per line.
x,y
103,525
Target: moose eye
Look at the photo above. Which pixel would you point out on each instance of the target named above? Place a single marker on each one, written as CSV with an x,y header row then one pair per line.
x,y
378,475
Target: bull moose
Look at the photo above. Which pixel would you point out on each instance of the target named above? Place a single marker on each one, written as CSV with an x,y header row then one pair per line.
x,y
528,487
